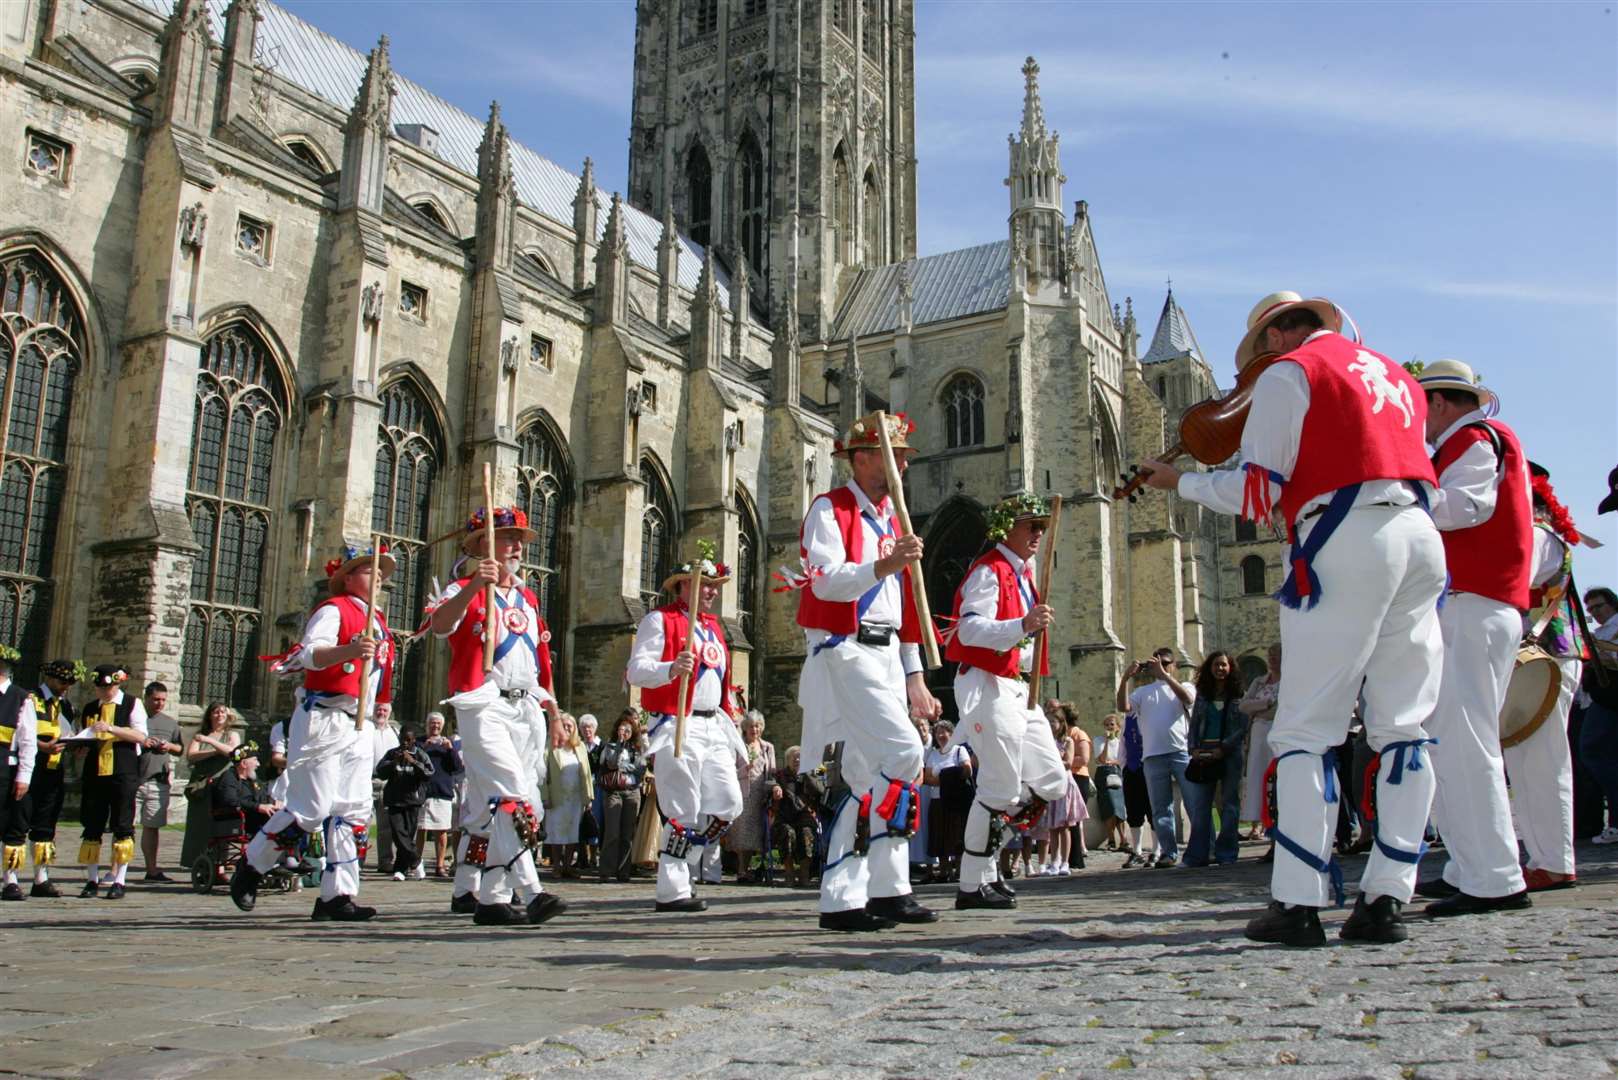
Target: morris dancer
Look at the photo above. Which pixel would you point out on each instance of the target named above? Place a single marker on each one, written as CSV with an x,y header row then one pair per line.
x,y
1334,439
1020,771
111,775
1482,508
1541,766
697,792
862,680
500,715
53,714
18,753
330,756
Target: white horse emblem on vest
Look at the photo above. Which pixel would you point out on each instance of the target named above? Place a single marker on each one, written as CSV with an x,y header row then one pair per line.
x,y
1373,375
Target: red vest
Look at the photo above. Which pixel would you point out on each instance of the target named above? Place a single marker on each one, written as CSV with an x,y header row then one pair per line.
x,y
1011,606
843,618
466,642
1355,429
1494,559
676,628
344,678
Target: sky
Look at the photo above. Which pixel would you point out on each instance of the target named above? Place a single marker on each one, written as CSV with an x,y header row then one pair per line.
x,y
1446,172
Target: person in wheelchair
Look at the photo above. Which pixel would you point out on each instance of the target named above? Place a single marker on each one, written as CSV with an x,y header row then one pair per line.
x,y
239,789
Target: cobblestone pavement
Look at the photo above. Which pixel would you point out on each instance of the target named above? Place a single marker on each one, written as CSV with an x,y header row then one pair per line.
x,y
1102,972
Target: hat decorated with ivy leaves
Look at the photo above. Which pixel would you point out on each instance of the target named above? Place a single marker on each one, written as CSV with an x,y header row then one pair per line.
x,y
713,572
507,519
243,752
68,671
110,675
1023,506
352,558
9,655
866,434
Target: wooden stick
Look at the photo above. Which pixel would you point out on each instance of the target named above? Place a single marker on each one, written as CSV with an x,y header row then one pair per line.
x,y
1047,554
491,616
370,633
918,588
693,603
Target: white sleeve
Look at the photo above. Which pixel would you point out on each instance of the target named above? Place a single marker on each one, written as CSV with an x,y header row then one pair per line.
x,y
910,658
980,603
321,631
647,668
1548,557
452,589
1467,490
137,717
25,742
1269,441
833,578
278,737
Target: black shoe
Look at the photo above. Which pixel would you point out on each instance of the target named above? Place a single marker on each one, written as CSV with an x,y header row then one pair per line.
x,y
498,915
157,876
1003,889
115,891
343,909
11,892
244,886
1077,863
983,897
1436,889
856,920
548,906
463,904
1283,925
1378,922
690,903
1467,904
900,909
319,913
45,888
89,891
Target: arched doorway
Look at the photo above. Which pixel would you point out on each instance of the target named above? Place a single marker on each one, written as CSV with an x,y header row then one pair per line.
x,y
954,537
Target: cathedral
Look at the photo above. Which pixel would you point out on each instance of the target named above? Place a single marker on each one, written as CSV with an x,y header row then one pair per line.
x,y
263,296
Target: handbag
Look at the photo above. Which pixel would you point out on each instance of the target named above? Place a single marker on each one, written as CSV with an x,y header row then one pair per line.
x,y
1207,764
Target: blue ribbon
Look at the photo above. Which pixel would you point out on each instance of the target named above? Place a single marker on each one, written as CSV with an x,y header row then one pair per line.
x,y
865,601
1329,867
1406,755
1303,556
512,639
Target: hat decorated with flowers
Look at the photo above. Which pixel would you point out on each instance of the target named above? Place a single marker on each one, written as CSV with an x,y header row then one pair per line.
x,y
713,571
9,655
248,749
352,558
866,434
507,519
1023,506
110,675
68,671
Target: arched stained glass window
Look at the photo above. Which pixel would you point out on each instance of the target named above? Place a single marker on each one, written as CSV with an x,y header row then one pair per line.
x,y
750,188
408,451
42,348
871,221
657,533
699,195
963,412
749,548
240,408
842,207
544,493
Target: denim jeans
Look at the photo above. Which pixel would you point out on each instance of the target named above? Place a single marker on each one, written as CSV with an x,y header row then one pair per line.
x,y
1199,804
1598,749
1163,771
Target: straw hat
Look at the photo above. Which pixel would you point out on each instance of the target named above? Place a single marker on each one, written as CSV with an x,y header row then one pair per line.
x,y
352,558
865,436
713,573
1274,305
1455,375
507,519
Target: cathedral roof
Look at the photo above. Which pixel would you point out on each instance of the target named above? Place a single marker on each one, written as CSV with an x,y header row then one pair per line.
x,y
949,285
1173,337
315,61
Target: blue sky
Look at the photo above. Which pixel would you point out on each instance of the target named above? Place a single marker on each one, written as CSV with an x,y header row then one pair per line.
x,y
1447,172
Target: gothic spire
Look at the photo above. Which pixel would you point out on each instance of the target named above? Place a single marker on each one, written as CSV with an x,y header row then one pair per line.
x,y
184,82
1033,113
365,135
497,195
373,103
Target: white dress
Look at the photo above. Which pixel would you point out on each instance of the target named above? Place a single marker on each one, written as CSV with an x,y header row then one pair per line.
x,y
562,822
1259,705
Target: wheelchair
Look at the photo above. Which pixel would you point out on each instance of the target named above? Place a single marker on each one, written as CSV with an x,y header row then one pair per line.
x,y
227,849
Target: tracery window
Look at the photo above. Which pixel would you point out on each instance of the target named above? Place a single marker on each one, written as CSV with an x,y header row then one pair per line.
x,y
963,412
408,452
657,533
842,206
42,346
842,16
699,195
240,408
871,221
750,186
871,30
543,493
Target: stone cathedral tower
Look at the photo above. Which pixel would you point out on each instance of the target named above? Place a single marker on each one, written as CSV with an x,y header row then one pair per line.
x,y
783,134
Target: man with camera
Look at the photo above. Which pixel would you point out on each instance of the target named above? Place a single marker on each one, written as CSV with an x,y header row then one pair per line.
x,y
1162,707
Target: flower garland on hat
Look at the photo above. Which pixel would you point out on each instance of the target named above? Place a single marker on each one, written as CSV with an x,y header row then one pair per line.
x,y
865,436
1004,517
10,654
350,553
1556,514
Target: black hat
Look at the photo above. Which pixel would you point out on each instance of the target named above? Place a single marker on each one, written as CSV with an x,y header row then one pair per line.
x,y
1610,503
1536,469
65,670
248,749
110,675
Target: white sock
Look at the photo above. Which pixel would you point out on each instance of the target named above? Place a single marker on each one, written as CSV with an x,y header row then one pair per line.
x,y
11,877
92,873
40,874
1134,839
118,873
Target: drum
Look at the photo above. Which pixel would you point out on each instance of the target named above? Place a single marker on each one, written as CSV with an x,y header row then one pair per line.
x,y
1531,695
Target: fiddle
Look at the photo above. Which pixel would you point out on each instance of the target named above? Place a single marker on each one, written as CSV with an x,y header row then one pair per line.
x,y
1211,430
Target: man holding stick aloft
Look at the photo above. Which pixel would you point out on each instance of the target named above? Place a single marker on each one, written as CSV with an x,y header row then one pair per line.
x,y
500,699
346,657
999,614
864,677
697,790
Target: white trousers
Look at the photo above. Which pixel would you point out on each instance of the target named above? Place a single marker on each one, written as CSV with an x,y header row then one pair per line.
x,y
498,741
1541,772
694,789
856,695
1480,645
1376,624
1017,756
328,786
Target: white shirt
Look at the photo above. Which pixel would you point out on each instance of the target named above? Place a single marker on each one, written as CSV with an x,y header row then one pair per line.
x,y
1111,751
647,668
1164,722
980,605
1468,488
1549,553
384,737
836,580
321,632
1270,440
278,738
518,669
24,747
936,760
